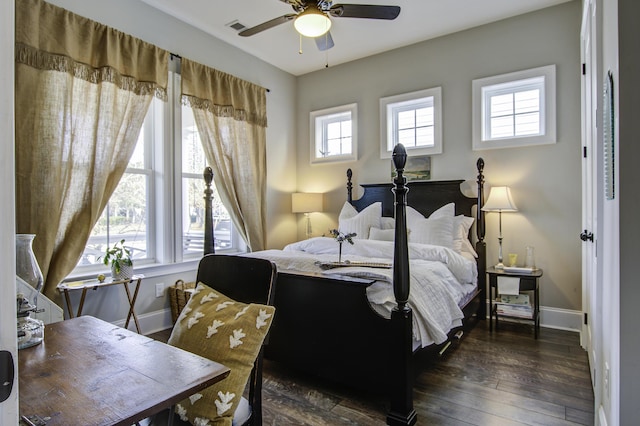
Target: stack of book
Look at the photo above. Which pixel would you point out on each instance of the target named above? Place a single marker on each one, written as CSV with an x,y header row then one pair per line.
x,y
514,306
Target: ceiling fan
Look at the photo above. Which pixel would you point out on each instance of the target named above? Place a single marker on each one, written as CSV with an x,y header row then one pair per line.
x,y
312,18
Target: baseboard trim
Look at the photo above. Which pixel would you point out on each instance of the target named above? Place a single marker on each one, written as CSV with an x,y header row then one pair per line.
x,y
151,322
561,319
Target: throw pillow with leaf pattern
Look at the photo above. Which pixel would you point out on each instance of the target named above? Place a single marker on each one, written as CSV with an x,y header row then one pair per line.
x,y
226,331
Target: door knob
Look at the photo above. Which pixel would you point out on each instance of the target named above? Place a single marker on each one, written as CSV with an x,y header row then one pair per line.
x,y
7,371
586,236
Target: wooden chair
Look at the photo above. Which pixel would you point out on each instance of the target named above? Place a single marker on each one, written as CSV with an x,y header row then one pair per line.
x,y
247,280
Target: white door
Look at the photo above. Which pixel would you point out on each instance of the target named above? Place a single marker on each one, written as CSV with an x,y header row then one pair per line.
x,y
591,96
8,336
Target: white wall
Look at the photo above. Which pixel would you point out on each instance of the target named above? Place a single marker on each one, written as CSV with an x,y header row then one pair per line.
x,y
545,180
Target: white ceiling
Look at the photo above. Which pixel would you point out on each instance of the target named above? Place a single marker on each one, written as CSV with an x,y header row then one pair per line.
x,y
419,20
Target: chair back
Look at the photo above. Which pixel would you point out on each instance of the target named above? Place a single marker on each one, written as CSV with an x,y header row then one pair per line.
x,y
247,280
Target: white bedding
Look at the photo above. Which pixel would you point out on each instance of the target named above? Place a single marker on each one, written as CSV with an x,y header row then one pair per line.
x,y
439,278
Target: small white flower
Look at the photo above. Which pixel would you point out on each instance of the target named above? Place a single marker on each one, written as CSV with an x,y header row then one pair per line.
x,y
225,402
200,421
223,305
242,312
194,319
193,398
198,289
235,339
208,298
182,412
261,319
213,328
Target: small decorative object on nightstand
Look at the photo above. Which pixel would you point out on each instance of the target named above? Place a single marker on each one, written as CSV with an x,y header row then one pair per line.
x,y
509,290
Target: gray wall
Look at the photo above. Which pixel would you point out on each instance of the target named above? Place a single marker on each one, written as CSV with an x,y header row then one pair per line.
x,y
629,152
545,180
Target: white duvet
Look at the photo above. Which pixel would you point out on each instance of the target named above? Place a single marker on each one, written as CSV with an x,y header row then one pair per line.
x,y
439,278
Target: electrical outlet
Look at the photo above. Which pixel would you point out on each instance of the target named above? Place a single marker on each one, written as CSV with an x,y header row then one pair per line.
x,y
159,289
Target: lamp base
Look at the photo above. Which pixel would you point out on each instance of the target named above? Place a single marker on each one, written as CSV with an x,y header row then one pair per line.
x,y
499,265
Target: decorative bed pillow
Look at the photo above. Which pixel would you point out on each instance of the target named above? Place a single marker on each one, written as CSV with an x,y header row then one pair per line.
x,y
461,243
350,220
382,234
223,330
436,230
387,222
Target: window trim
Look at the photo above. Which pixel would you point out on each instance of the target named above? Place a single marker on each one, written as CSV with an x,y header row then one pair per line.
x,y
314,133
387,128
480,88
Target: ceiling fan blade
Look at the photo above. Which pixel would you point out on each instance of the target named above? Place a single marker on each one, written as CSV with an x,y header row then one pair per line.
x,y
369,11
266,25
324,42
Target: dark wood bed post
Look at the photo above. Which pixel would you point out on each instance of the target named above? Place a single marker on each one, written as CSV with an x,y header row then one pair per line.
x,y
209,246
401,411
481,246
349,186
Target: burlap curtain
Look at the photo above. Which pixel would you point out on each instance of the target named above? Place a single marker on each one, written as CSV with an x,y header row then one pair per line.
x,y
82,92
231,118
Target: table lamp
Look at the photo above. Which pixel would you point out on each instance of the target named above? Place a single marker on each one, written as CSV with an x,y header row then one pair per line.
x,y
500,201
306,203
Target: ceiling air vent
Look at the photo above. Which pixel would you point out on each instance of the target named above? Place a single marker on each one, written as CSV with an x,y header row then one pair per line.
x,y
236,25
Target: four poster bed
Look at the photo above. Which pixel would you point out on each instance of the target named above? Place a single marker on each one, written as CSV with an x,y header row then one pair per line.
x,y
364,326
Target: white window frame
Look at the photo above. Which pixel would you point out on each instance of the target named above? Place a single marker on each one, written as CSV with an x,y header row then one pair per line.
x,y
543,78
163,169
389,108
318,136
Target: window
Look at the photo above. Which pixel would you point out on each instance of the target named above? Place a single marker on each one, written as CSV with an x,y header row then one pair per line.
x,y
414,120
141,210
516,109
334,134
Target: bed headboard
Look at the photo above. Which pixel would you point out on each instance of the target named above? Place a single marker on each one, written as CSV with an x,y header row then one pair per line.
x,y
425,196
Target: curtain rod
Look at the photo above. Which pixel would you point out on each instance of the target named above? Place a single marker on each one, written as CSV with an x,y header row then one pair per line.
x,y
174,55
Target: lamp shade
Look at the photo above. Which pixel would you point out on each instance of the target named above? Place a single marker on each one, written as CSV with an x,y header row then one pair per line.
x,y
303,202
500,200
312,22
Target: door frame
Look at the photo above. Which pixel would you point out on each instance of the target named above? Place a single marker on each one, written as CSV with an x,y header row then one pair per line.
x,y
8,336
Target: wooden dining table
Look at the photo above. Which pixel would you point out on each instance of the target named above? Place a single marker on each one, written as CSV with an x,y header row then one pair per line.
x,y
90,372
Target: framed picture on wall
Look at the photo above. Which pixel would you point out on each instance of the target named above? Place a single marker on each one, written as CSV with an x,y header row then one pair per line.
x,y
417,168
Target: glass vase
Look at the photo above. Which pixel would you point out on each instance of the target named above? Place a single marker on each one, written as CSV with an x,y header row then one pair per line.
x,y
30,330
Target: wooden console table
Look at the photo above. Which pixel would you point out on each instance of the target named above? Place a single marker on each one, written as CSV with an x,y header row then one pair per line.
x,y
90,372
66,287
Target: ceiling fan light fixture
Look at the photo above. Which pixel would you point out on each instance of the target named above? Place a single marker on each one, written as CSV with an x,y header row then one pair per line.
x,y
312,22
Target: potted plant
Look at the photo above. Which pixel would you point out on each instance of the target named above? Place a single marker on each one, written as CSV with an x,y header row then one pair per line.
x,y
119,257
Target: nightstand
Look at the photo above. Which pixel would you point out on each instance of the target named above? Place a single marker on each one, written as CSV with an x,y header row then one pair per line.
x,y
529,284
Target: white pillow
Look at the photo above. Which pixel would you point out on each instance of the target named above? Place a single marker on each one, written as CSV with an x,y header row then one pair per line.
x,y
387,222
382,234
414,216
461,243
436,231
350,220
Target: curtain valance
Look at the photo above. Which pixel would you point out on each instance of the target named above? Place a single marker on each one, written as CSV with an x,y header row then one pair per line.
x,y
222,94
52,38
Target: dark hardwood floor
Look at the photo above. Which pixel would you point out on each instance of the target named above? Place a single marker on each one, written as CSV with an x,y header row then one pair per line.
x,y
500,378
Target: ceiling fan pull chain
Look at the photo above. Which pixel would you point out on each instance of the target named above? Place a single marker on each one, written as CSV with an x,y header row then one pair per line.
x,y
300,49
